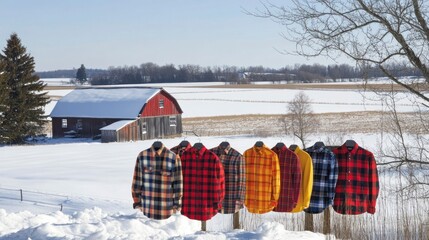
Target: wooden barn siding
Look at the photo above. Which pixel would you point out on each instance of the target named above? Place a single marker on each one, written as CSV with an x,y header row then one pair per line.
x,y
152,108
156,127
90,126
108,136
129,132
159,127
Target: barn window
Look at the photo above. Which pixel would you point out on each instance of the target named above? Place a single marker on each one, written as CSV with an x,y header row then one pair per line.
x,y
79,124
144,128
64,123
161,103
172,120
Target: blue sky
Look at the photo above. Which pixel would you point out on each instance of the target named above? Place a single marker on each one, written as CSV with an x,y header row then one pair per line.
x,y
102,33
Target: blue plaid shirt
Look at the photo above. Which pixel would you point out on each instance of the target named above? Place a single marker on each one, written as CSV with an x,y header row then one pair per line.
x,y
325,170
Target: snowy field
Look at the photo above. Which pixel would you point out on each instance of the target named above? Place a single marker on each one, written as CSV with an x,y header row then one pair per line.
x,y
91,182
198,101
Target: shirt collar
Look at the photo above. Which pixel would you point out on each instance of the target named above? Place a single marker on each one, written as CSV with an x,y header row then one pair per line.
x,y
317,149
297,149
352,151
184,148
280,149
159,151
259,149
225,150
201,151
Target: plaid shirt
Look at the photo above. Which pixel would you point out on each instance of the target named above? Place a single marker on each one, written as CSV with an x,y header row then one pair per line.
x,y
357,186
306,180
157,183
235,178
325,174
290,175
262,179
203,184
180,149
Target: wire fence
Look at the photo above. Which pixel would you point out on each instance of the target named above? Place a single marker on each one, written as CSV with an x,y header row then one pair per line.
x,y
40,198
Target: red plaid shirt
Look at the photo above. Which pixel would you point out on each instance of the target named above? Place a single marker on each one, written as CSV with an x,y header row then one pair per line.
x,y
235,178
357,185
203,184
290,177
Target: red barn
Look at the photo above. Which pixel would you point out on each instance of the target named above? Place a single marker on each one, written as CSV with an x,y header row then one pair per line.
x,y
117,114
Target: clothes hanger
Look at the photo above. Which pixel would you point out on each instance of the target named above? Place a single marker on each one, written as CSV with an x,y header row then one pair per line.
x,y
319,144
259,144
293,147
157,145
350,144
198,145
280,145
224,144
184,143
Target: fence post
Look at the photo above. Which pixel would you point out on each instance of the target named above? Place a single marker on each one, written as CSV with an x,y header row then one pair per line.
x,y
203,226
21,194
236,220
326,222
61,207
308,222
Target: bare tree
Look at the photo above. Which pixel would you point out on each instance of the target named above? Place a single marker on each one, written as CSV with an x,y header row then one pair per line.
x,y
302,120
405,147
376,33
386,34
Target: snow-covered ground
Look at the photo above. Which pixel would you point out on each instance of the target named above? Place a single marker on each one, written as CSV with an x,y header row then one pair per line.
x,y
91,181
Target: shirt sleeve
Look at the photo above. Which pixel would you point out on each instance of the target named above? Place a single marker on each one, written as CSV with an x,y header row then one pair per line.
x,y
241,176
137,185
333,177
219,187
373,184
276,179
177,183
307,181
296,178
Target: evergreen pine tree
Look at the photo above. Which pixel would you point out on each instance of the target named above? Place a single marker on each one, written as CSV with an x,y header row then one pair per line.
x,y
81,74
23,100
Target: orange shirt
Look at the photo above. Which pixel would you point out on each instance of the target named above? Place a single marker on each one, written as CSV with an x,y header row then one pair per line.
x,y
262,179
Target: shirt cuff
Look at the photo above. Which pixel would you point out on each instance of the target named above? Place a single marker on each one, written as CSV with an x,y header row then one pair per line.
x,y
137,205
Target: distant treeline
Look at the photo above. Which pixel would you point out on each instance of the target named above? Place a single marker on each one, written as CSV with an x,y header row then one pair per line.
x,y
153,73
71,73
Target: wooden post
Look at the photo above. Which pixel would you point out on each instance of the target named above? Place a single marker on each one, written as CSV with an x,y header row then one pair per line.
x,y
326,221
203,226
308,225
236,220
21,195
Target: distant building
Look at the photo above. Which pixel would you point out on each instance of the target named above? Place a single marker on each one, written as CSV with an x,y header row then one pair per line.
x,y
117,114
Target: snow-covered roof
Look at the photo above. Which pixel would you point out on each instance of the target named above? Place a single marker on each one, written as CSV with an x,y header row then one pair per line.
x,y
117,125
110,102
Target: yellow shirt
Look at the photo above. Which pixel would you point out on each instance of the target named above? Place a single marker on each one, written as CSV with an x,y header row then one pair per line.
x,y
306,181
262,179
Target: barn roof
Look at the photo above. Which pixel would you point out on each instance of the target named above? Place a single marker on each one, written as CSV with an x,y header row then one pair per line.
x,y
105,102
117,125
